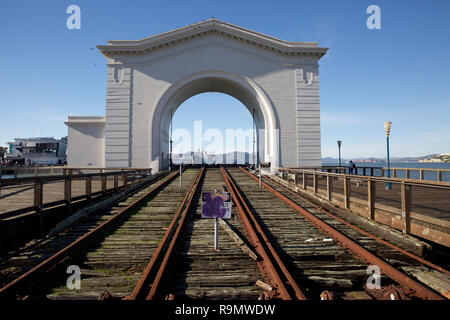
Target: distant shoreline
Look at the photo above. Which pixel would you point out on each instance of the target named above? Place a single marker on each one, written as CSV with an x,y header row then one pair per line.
x,y
415,165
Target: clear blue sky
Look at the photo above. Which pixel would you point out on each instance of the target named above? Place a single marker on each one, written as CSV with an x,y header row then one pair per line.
x,y
400,73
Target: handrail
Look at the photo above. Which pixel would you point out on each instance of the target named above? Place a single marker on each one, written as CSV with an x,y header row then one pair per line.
x,y
395,170
71,174
417,169
69,168
37,184
428,183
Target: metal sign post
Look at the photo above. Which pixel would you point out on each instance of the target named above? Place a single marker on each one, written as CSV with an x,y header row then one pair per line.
x,y
216,205
181,176
260,174
216,234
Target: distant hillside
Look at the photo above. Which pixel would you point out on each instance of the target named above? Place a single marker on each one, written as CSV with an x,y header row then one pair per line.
x,y
443,157
383,160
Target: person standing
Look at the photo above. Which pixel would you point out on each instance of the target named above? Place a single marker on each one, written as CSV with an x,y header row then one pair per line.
x,y
352,166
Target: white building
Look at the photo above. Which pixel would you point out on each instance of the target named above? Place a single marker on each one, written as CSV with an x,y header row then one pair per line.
x,y
148,79
41,151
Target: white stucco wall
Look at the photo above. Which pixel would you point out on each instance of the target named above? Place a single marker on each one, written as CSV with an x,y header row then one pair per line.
x,y
86,142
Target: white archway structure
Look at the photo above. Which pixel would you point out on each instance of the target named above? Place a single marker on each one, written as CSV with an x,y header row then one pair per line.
x,y
148,79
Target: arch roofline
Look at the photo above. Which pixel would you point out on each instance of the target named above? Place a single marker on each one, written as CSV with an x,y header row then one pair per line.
x,y
210,26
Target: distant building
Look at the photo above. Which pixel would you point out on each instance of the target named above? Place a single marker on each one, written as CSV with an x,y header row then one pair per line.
x,y
41,151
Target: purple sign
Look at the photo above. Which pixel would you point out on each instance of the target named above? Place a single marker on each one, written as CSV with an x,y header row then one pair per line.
x,y
216,205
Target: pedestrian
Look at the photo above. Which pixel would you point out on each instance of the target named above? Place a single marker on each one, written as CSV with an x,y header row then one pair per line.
x,y
351,167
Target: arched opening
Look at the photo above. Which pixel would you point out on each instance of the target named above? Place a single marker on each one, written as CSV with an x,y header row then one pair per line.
x,y
240,88
212,128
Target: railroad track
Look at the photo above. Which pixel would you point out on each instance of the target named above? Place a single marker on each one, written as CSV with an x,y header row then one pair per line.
x,y
96,245
158,247
328,257
196,271
291,254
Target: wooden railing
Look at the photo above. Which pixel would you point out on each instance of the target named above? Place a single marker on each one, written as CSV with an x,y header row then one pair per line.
x,y
422,174
17,172
365,171
27,193
420,208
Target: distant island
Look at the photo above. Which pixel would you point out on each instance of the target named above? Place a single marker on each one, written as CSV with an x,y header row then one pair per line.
x,y
443,157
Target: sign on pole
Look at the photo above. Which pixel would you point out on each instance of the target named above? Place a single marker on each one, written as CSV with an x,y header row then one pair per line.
x,y
216,205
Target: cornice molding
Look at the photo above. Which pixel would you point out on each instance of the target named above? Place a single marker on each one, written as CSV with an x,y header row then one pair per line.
x,y
212,26
84,120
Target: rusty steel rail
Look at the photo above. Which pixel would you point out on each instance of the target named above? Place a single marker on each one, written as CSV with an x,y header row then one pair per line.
x,y
409,254
148,285
358,251
271,265
19,284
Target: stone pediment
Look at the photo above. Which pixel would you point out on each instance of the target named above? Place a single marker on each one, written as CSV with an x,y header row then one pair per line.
x,y
208,27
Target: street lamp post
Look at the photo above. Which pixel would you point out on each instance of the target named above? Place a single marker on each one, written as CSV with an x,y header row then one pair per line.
x,y
339,146
387,129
